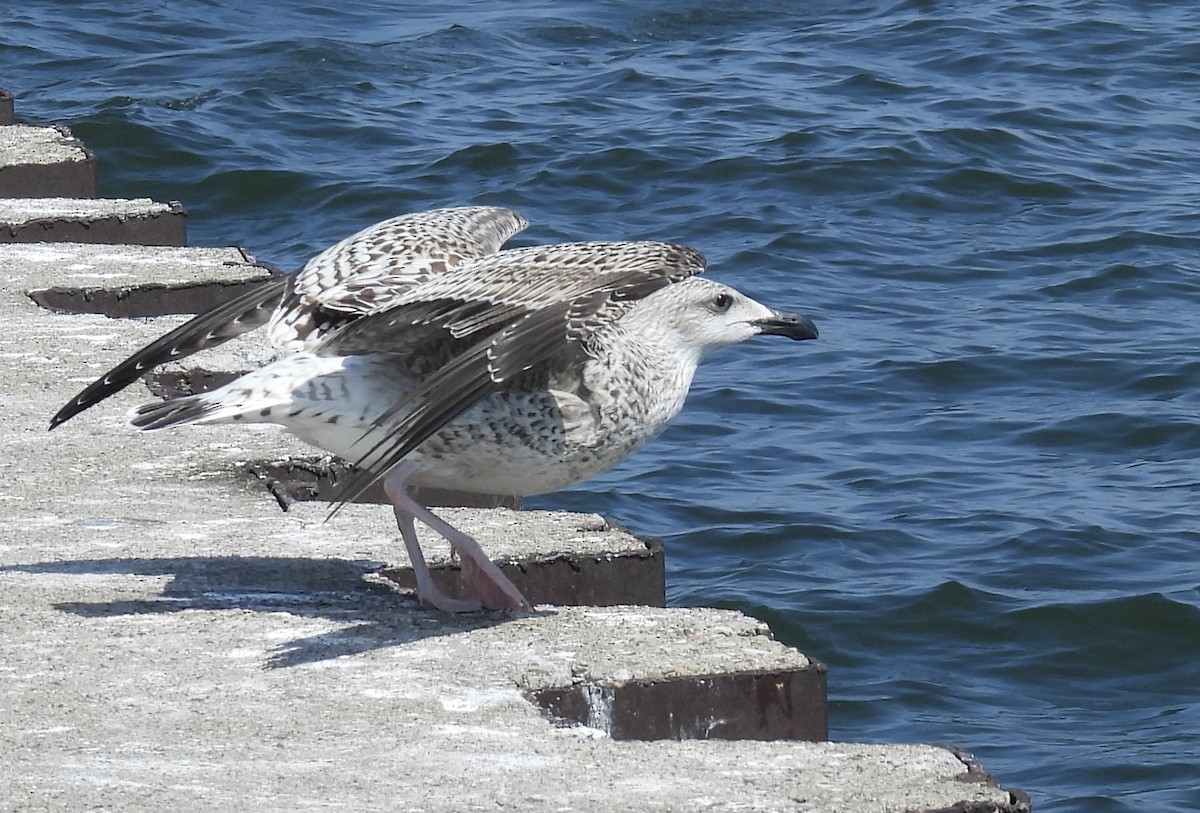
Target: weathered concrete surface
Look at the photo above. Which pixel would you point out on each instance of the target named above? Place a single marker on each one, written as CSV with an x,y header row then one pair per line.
x,y
171,639
44,162
138,221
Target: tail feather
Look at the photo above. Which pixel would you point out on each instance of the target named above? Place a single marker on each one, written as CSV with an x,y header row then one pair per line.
x,y
216,326
175,412
265,395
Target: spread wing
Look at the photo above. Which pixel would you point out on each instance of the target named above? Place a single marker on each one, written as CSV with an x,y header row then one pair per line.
x,y
352,277
370,269
516,313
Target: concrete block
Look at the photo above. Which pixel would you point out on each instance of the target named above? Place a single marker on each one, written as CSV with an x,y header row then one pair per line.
x,y
131,281
610,567
562,559
44,162
92,220
743,703
647,673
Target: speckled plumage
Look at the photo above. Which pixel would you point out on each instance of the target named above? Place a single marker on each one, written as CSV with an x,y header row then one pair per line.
x,y
367,270
529,344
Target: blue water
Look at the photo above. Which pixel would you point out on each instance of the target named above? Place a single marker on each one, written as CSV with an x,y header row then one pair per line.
x,y
975,497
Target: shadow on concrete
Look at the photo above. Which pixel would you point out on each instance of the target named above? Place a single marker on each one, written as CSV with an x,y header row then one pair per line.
x,y
333,589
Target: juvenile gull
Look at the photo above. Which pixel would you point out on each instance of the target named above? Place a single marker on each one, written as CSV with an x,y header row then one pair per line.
x,y
334,287
515,372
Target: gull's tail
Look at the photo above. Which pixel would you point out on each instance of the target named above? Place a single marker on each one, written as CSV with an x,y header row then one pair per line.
x,y
175,412
299,384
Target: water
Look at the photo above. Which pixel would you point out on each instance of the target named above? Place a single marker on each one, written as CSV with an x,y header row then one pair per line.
x,y
975,496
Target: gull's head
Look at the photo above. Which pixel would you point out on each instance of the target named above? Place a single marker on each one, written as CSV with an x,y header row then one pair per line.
x,y
707,316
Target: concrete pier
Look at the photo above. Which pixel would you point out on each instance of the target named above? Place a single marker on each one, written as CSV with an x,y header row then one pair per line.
x,y
174,639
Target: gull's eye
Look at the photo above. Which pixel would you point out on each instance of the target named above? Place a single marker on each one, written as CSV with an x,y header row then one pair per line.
x,y
722,302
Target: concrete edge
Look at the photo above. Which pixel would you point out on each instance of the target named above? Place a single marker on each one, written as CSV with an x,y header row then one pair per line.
x,y
7,114
734,705
74,176
566,578
1018,800
159,225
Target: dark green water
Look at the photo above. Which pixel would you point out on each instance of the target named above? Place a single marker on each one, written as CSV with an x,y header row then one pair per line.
x,y
975,496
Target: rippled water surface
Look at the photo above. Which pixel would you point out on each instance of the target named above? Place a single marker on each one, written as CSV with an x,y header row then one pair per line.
x,y
975,496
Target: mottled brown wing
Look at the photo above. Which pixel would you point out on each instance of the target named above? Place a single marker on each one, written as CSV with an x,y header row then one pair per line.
x,y
369,270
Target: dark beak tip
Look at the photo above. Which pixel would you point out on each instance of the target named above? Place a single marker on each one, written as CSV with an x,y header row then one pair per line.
x,y
792,325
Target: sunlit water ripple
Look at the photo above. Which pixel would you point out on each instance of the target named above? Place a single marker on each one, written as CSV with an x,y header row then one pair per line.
x,y
974,497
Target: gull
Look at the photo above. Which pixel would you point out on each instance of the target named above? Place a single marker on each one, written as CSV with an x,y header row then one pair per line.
x,y
518,371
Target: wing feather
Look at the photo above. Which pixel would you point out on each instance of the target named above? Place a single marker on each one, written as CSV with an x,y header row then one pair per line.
x,y
241,314
369,270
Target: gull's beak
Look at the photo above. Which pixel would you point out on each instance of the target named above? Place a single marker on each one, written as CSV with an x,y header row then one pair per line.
x,y
792,325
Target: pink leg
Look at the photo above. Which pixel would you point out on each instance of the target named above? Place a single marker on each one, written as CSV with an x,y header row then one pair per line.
x,y
489,583
427,591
